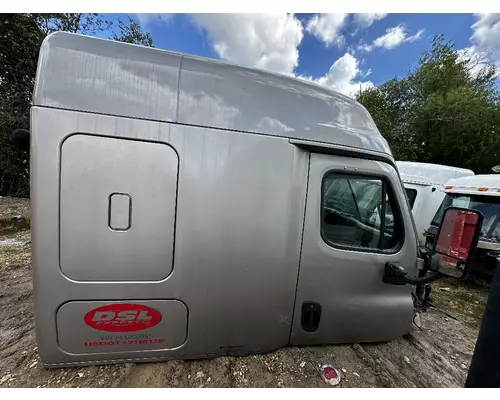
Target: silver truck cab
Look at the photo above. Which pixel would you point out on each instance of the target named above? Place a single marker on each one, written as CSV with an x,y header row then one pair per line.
x,y
187,208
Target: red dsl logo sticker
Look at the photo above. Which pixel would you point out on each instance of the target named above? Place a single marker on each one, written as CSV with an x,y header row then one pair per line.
x,y
122,317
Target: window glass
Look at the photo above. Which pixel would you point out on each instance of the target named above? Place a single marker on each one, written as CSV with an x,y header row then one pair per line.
x,y
412,195
489,206
358,212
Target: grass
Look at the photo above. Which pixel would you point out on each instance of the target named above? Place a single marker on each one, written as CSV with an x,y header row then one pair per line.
x,y
14,257
7,226
9,208
463,300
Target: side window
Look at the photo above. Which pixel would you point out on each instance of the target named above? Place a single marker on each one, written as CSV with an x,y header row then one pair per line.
x,y
412,195
358,212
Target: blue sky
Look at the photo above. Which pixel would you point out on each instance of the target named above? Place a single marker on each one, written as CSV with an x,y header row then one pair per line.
x,y
342,51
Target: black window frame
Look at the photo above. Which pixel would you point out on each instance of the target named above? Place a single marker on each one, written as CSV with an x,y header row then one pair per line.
x,y
387,188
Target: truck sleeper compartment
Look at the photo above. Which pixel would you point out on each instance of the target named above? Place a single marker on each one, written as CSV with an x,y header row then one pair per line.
x,y
185,208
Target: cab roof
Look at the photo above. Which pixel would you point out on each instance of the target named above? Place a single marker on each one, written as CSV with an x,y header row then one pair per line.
x,y
488,184
88,74
429,174
415,179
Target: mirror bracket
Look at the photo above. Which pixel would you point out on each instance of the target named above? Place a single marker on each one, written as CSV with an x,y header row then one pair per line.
x,y
422,298
394,274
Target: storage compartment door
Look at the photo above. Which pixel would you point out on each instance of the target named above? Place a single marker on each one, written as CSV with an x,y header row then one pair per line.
x,y
117,209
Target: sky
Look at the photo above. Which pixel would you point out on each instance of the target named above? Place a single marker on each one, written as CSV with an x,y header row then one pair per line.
x,y
346,52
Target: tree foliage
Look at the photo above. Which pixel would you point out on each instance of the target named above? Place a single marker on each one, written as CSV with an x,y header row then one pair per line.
x,y
132,33
445,111
21,36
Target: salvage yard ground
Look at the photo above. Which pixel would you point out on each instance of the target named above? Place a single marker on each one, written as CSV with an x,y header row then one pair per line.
x,y
436,356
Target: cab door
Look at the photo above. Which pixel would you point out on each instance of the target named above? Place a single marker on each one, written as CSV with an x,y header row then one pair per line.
x,y
356,220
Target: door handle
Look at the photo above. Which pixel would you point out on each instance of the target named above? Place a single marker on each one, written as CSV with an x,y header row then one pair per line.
x,y
311,315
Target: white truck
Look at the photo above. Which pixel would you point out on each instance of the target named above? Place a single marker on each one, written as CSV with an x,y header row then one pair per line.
x,y
424,185
481,193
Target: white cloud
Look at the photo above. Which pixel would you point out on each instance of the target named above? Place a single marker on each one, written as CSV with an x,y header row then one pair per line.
x,y
392,38
326,27
470,53
478,59
342,76
146,19
487,32
267,41
367,73
270,41
365,47
364,20
486,37
416,36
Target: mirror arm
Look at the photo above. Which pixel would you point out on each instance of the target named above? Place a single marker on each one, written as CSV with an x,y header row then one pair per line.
x,y
424,280
395,274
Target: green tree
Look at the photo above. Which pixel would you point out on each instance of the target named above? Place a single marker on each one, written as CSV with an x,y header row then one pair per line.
x,y
132,33
86,24
21,36
445,111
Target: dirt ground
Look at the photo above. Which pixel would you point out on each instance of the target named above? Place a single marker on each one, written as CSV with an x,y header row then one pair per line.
x,y
437,355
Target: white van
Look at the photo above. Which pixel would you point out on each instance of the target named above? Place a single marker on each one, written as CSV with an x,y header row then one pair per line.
x,y
187,208
424,184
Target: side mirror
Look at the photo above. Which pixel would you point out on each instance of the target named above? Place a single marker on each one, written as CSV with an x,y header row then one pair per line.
x,y
456,242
